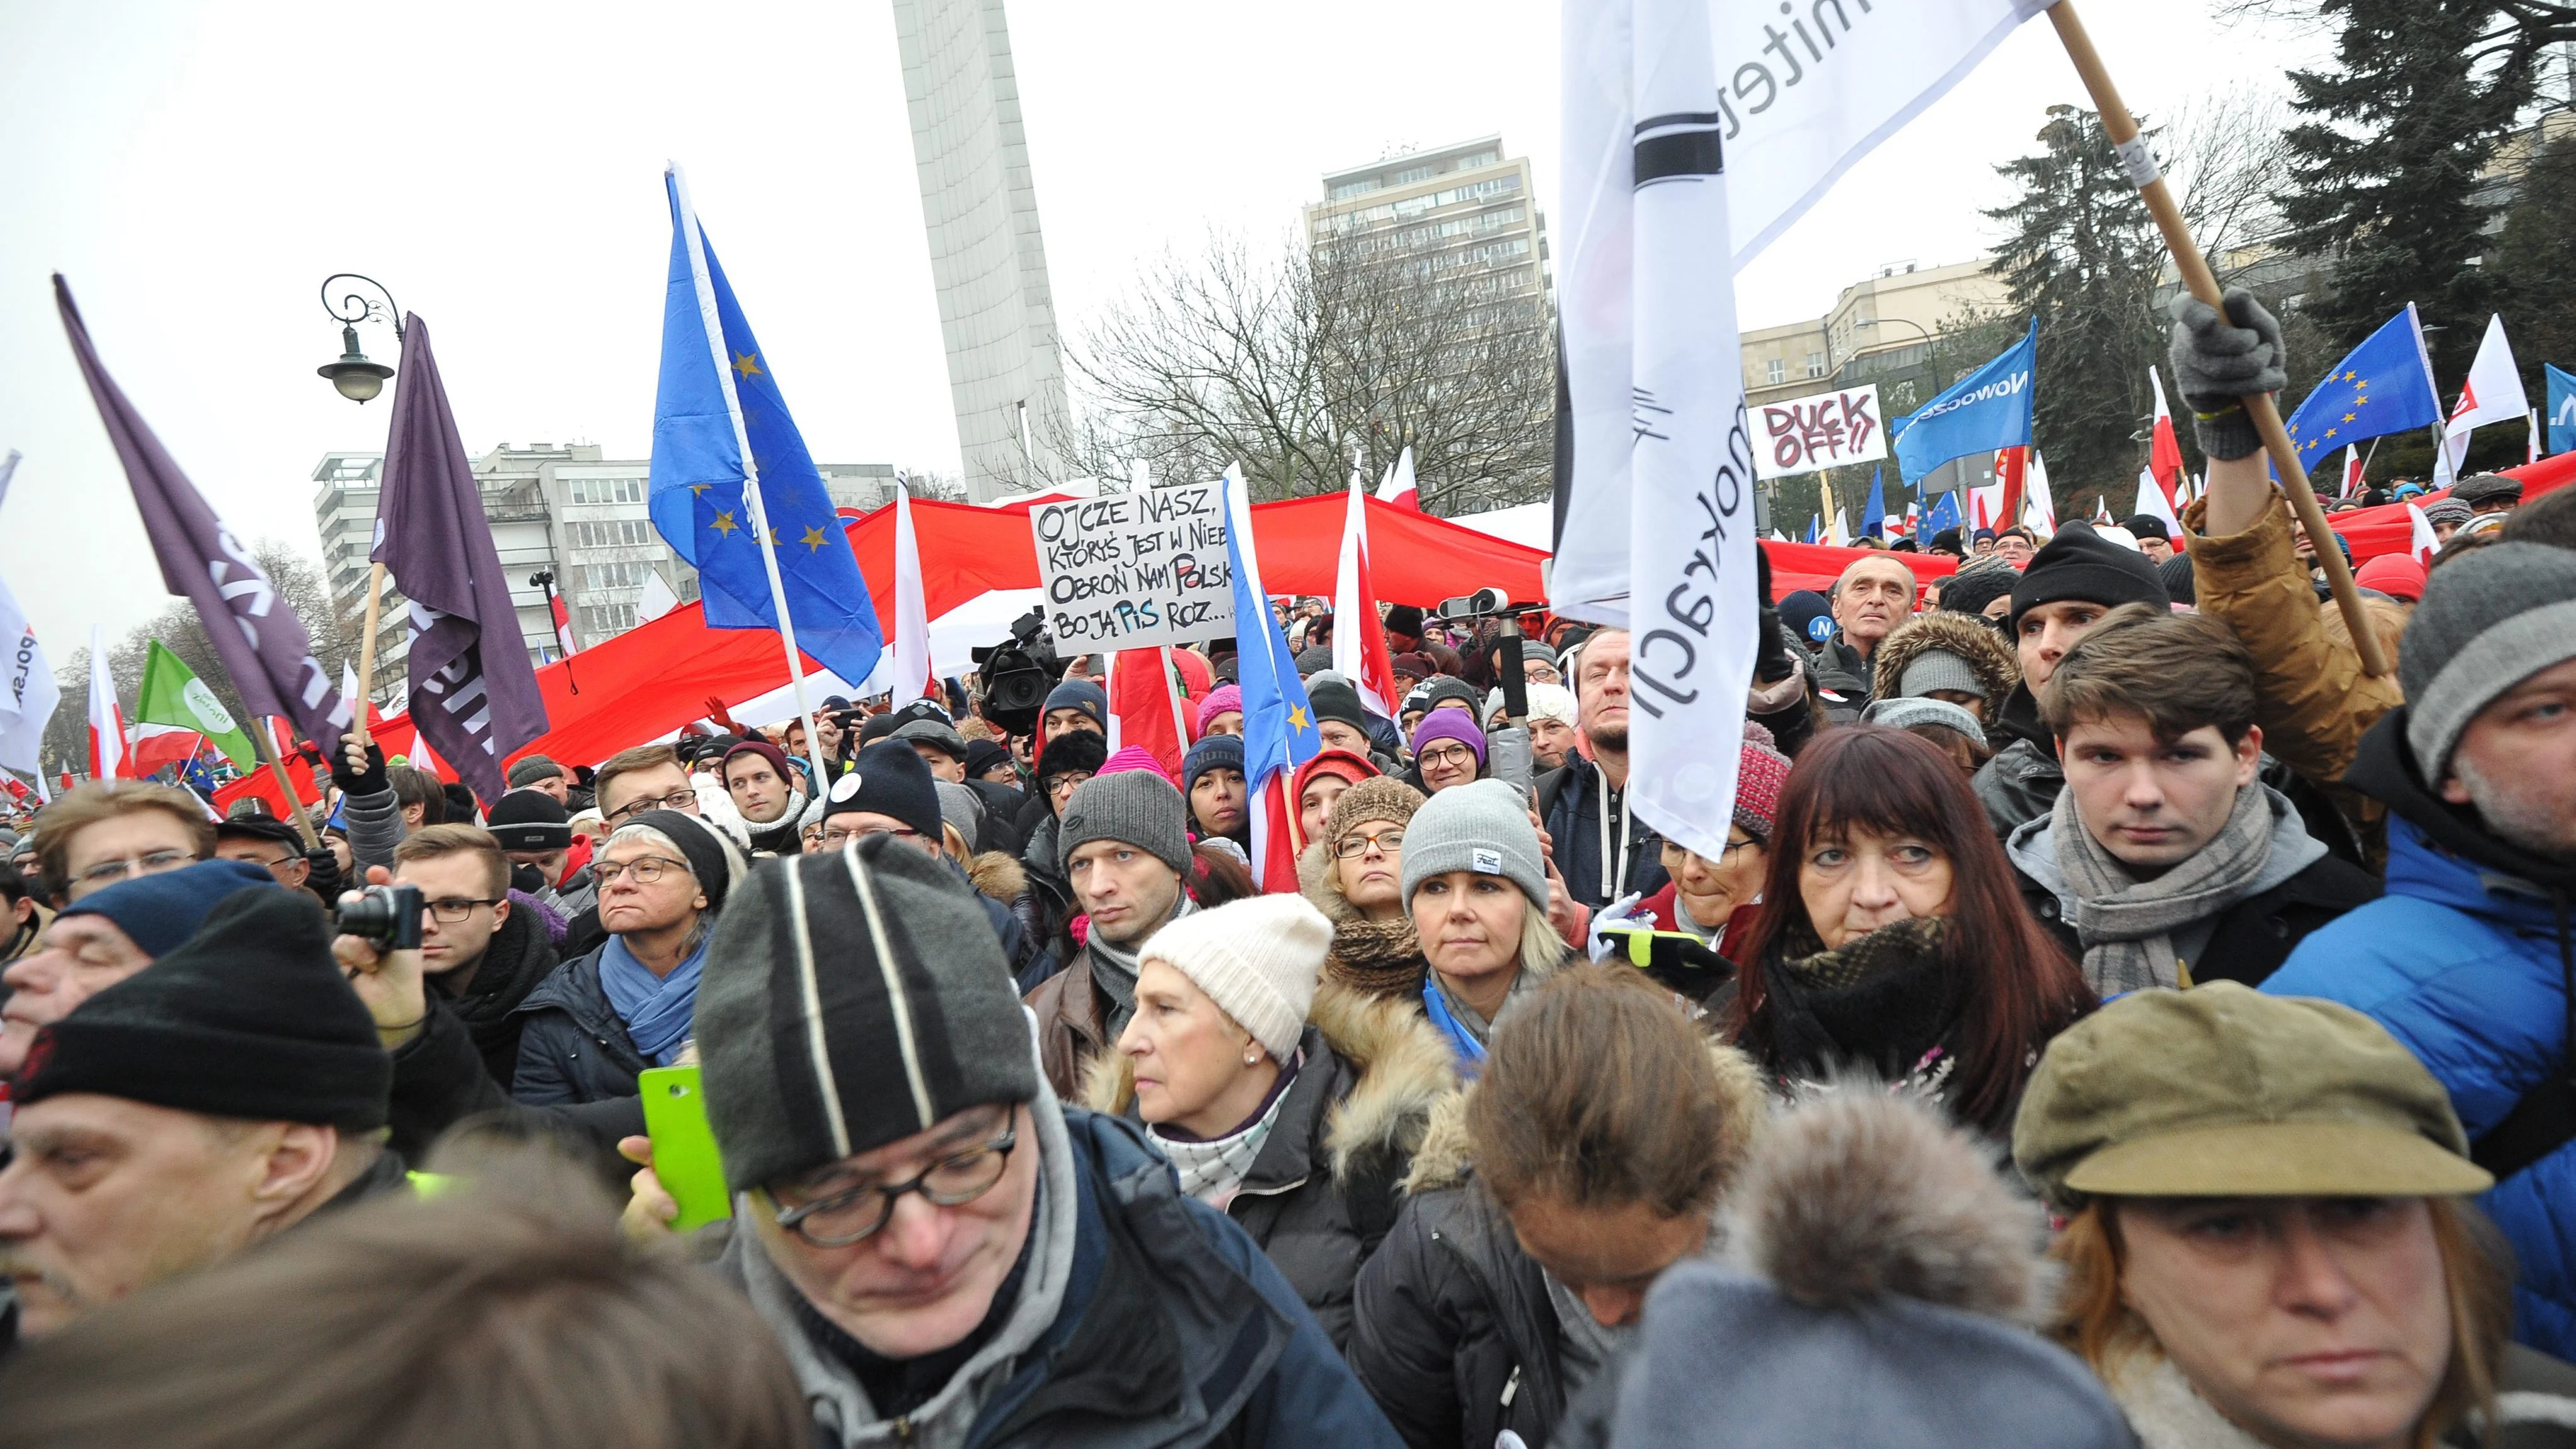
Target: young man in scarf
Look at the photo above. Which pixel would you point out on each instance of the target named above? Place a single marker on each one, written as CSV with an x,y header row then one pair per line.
x,y
2165,861
1124,843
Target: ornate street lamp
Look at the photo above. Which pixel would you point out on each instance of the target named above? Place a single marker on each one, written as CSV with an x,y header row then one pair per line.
x,y
354,375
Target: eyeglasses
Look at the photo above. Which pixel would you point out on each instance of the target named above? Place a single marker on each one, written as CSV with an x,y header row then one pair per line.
x,y
109,872
1385,842
450,911
849,1217
645,868
676,800
835,839
1452,755
1066,781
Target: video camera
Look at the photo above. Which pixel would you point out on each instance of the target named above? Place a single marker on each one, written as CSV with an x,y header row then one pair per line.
x,y
1018,673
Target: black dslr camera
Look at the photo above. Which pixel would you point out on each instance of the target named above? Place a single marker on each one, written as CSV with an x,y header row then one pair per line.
x,y
388,915
1018,673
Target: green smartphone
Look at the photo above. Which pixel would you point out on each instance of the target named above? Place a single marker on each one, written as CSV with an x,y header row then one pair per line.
x,y
684,1147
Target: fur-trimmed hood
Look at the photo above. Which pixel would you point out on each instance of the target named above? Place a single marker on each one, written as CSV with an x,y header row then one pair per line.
x,y
1315,882
997,875
1445,1157
1405,1068
1973,640
1860,1192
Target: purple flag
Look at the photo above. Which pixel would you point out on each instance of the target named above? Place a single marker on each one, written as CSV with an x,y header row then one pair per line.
x,y
474,706
269,655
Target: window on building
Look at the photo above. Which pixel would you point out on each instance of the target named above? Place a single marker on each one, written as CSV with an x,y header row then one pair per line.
x,y
1815,364
606,490
601,620
1776,371
1409,175
626,575
1350,189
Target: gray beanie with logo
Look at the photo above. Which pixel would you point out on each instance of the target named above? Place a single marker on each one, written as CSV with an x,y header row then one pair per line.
x,y
1138,807
1481,826
2487,623
851,999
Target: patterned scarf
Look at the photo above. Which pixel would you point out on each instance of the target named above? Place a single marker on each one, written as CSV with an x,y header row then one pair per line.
x,y
1212,1168
2126,925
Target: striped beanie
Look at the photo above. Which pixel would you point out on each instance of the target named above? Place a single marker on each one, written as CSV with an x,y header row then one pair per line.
x,y
852,999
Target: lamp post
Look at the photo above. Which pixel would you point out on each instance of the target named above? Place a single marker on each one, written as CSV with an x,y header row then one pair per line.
x,y
357,378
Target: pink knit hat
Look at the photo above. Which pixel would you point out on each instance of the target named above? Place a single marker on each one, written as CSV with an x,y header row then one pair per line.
x,y
1137,757
1757,789
1224,699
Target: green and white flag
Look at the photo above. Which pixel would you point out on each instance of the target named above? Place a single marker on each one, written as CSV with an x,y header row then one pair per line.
x,y
176,702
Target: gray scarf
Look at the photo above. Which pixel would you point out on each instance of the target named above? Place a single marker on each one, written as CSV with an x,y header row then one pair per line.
x,y
1114,969
2127,925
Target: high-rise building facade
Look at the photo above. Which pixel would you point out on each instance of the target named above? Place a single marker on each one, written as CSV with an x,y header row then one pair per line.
x,y
1468,212
996,311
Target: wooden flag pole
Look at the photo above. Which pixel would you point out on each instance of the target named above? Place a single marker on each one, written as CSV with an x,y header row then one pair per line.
x,y
367,652
266,749
2122,128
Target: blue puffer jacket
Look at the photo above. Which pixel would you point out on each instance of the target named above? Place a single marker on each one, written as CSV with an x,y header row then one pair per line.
x,y
2467,961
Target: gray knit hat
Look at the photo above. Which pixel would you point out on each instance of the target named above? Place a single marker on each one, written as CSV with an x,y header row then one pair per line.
x,y
2487,623
963,808
2449,510
1481,826
1902,712
1139,807
1938,669
852,999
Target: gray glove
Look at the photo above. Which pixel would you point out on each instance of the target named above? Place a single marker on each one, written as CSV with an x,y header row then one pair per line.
x,y
2217,366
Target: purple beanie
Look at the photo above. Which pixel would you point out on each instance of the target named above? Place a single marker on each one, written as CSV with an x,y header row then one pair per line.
x,y
1450,724
1224,699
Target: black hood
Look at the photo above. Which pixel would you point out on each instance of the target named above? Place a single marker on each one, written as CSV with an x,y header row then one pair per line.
x,y
2384,769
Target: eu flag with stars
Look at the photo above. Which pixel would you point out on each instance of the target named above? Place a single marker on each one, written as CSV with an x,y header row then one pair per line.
x,y
1941,515
2383,386
718,397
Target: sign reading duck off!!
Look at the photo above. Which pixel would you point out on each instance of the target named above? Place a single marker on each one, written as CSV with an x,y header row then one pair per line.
x,y
1135,570
1826,430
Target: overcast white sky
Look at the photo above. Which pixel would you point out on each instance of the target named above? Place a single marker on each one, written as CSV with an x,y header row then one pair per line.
x,y
197,169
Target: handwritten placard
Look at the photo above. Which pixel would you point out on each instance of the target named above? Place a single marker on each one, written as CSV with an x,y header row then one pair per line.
x,y
1135,570
1826,430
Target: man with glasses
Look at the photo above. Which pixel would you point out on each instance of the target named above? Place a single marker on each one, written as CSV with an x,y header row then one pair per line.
x,y
104,831
647,777
269,843
480,957
947,1253
889,791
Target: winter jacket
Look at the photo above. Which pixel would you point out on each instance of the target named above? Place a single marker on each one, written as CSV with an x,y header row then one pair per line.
x,y
2299,891
440,1080
518,959
579,892
1072,1024
1147,1319
2467,960
999,883
369,810
1842,679
2020,783
1569,809
1972,639
1454,1333
2311,696
572,1046
1323,1192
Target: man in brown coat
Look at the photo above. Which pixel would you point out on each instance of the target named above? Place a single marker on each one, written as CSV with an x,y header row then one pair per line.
x,y
1123,841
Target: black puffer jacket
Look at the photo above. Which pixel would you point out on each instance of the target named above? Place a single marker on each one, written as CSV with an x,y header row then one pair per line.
x,y
572,1046
1324,1192
2021,783
517,961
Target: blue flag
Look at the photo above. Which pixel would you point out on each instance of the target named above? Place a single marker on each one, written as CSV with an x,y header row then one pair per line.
x,y
2562,409
2383,386
1943,514
1873,517
1815,526
1986,410
702,417
1278,722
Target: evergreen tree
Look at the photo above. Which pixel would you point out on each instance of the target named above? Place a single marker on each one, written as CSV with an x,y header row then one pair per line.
x,y
2082,257
2385,171
2535,266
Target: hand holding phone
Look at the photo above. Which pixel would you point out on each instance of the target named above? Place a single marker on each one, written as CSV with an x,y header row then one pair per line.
x,y
684,1146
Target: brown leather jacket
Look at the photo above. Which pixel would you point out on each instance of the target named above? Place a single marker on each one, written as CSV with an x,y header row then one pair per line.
x,y
2312,699
1072,1025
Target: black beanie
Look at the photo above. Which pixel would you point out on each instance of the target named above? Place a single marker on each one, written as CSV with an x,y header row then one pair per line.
x,y
859,997
2082,564
1969,590
1404,619
1339,702
888,778
526,819
2176,572
247,1018
712,858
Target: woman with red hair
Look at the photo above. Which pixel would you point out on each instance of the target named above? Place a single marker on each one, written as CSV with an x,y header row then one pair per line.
x,y
1891,937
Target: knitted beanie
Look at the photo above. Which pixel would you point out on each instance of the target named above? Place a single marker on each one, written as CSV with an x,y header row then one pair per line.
x,y
963,808
1214,752
1338,701
1256,958
2176,574
1449,724
2081,564
710,854
983,755
1938,669
529,820
1807,617
1546,701
2487,622
1138,807
247,1018
1482,826
1224,699
2450,510
888,778
1075,750
1136,757
533,768
1758,781
776,757
1969,590
1384,798
2397,575
157,912
1900,712
857,997
1079,694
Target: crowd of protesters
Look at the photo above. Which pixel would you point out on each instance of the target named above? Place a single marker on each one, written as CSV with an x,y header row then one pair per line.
x,y
2115,1017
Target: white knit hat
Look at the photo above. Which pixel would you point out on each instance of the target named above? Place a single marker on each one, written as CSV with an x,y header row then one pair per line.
x,y
1256,958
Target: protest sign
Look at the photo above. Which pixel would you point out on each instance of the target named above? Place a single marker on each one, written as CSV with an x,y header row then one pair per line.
x,y
1826,430
1135,570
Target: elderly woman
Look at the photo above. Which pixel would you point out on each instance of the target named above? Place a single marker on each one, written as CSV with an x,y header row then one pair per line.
x,y
2268,1238
1293,1110
1448,750
1892,936
1715,900
1476,884
1354,874
601,1019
